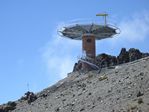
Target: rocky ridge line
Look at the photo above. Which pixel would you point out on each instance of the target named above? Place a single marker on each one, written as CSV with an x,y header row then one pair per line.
x,y
105,60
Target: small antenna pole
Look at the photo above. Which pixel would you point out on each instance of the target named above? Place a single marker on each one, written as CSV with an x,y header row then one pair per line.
x,y
27,86
105,20
104,15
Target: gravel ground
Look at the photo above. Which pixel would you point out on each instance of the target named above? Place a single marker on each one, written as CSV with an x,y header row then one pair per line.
x,y
124,88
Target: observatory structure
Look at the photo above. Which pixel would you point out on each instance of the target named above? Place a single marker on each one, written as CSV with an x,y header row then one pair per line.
x,y
89,33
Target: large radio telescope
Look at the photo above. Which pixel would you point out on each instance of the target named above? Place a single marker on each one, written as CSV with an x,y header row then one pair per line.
x,y
88,33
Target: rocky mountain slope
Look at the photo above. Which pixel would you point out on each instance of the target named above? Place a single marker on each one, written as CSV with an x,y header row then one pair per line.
x,y
119,88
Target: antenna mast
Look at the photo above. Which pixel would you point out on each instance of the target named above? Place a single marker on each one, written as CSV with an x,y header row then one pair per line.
x,y
104,15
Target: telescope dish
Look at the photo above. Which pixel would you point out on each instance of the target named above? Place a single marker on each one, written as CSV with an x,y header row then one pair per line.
x,y
77,30
99,31
89,33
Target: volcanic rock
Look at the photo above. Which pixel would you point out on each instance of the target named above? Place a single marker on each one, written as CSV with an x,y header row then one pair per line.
x,y
123,56
8,107
134,54
104,60
29,97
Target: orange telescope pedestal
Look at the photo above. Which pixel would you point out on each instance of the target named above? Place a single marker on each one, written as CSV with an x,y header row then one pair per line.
x,y
88,46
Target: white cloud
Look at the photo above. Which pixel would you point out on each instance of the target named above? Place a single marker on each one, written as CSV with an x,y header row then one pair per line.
x,y
60,55
134,28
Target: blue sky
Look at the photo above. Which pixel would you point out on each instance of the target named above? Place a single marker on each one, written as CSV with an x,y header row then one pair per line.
x,y
31,52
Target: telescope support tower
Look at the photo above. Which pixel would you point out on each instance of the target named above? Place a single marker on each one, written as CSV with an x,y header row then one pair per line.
x,y
88,46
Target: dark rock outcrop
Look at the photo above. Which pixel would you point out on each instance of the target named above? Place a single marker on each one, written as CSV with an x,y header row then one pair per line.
x,y
134,54
29,97
105,60
77,66
8,107
123,56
